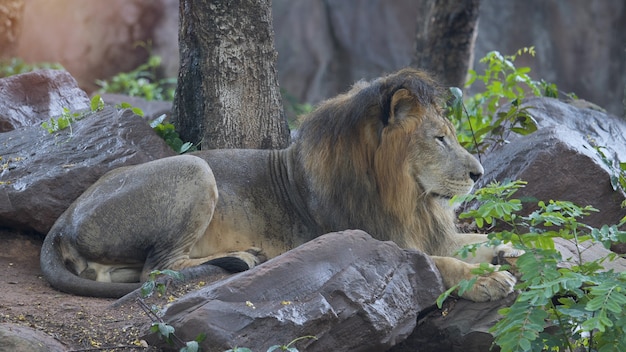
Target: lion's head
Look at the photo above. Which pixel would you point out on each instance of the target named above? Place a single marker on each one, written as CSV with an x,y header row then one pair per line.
x,y
384,159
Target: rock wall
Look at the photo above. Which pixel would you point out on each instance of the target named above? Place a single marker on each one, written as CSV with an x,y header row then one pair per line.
x,y
325,45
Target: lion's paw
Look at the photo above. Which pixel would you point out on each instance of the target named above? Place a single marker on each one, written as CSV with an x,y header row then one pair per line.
x,y
491,287
506,250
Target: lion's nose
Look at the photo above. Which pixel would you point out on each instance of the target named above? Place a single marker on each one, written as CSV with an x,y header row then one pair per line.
x,y
475,175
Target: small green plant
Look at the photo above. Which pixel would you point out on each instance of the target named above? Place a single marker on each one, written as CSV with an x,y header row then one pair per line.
x,y
141,82
151,285
558,308
159,327
55,124
618,171
288,347
481,121
293,108
16,66
167,131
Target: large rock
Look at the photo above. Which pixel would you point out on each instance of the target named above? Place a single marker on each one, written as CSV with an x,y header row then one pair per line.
x,y
30,98
352,292
16,338
42,173
559,160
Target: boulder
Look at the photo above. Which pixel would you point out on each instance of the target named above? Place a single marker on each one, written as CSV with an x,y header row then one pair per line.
x,y
16,338
559,161
352,292
42,173
30,98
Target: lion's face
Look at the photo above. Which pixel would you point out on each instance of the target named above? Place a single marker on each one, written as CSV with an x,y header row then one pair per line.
x,y
441,166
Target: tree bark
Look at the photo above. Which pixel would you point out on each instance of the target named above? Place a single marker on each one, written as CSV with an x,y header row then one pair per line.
x,y
228,94
445,40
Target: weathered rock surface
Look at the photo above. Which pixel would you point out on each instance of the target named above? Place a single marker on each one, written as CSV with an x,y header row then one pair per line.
x,y
42,173
17,338
559,160
461,326
29,99
352,292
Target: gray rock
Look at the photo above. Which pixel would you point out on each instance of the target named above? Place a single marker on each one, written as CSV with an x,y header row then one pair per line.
x,y
559,161
42,173
30,98
16,338
461,326
352,292
151,108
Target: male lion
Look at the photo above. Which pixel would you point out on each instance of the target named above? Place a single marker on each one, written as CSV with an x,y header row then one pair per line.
x,y
380,158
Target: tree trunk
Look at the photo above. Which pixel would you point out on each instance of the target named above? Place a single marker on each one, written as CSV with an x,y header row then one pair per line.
x,y
228,95
445,40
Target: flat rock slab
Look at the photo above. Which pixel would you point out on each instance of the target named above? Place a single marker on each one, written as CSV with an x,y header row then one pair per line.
x,y
352,292
42,173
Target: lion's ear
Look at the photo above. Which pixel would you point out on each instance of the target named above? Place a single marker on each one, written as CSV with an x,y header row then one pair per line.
x,y
400,103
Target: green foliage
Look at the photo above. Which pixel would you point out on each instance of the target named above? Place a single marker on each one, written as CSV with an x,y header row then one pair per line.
x,y
150,286
16,66
141,82
293,108
486,119
55,124
618,171
558,308
167,131
286,347
162,329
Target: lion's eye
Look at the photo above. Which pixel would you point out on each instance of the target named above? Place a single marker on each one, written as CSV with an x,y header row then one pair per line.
x,y
441,139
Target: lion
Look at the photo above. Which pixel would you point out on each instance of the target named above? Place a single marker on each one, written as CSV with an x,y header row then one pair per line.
x,y
381,158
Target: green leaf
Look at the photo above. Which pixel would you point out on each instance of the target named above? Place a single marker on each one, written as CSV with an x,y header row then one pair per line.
x,y
191,346
97,103
147,288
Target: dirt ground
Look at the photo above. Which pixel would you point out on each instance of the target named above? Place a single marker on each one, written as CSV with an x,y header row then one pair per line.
x,y
80,323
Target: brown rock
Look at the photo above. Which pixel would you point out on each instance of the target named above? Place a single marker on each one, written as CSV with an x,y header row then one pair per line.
x,y
30,98
352,292
559,161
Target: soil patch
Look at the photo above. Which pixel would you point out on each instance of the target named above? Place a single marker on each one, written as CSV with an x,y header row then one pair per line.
x,y
80,323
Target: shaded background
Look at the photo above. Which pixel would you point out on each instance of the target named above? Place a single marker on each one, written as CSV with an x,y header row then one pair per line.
x,y
326,45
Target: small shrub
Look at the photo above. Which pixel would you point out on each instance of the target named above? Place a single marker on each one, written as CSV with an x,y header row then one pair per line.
x,y
481,121
141,82
16,66
558,308
55,124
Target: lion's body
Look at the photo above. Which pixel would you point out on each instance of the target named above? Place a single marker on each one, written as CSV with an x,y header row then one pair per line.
x,y
379,158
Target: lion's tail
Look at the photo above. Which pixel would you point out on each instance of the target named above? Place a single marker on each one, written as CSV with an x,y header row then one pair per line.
x,y
57,274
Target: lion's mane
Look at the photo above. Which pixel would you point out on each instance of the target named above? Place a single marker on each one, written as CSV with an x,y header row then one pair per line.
x,y
353,161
